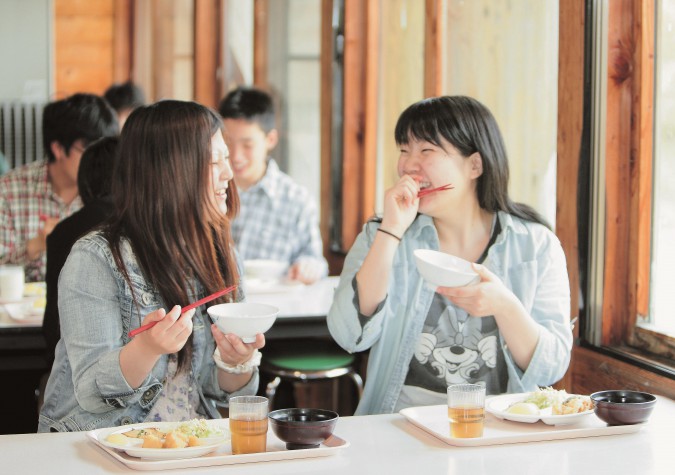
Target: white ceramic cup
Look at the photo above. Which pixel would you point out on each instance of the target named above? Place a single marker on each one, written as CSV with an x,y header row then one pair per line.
x,y
12,280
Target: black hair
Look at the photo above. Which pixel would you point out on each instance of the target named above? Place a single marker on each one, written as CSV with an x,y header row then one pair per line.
x,y
126,95
471,128
85,117
94,176
251,104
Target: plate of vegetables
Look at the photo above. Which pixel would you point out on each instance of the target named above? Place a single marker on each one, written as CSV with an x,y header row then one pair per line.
x,y
551,406
166,440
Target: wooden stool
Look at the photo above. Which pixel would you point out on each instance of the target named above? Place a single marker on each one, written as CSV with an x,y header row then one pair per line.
x,y
305,361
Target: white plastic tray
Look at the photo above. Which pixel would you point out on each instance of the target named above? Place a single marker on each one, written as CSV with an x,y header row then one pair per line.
x,y
276,450
434,420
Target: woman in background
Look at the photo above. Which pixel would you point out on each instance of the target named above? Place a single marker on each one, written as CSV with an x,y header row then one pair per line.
x,y
167,244
94,179
510,330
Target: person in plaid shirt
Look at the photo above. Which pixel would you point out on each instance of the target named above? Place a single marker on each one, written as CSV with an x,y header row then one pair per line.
x,y
277,219
34,197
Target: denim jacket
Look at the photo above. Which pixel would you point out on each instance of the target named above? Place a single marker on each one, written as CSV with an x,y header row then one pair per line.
x,y
86,389
526,256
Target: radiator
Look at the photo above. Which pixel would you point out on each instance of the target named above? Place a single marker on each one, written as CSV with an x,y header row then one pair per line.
x,y
21,132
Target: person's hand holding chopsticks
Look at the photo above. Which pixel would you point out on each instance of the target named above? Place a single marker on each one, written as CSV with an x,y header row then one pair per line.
x,y
169,332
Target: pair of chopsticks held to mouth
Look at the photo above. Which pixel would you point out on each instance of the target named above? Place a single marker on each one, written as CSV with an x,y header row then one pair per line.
x,y
196,304
428,191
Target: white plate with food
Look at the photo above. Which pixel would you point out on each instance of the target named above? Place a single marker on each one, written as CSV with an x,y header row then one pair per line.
x,y
30,310
166,440
547,405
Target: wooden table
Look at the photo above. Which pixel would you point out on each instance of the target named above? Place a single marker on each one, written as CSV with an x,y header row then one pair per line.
x,y
389,444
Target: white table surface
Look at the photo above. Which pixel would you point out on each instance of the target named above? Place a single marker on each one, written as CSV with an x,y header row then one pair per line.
x,y
389,444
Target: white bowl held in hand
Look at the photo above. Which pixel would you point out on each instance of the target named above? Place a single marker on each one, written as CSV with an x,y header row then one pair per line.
x,y
444,270
244,319
266,269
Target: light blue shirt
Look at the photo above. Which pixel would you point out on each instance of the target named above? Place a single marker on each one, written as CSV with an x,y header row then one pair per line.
x,y
86,388
278,220
526,256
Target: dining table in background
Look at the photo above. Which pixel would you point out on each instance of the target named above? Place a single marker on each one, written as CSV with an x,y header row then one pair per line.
x,y
388,444
302,308
23,362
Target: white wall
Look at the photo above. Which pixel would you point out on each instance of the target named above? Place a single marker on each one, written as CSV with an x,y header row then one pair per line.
x,y
25,54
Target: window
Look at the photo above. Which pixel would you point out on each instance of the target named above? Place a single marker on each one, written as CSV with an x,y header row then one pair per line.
x,y
661,317
630,265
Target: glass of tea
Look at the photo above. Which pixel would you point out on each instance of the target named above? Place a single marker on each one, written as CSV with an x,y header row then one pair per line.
x,y
466,410
248,424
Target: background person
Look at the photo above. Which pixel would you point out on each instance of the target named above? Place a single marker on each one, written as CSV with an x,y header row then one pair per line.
x,y
124,98
511,330
278,219
167,244
94,179
34,197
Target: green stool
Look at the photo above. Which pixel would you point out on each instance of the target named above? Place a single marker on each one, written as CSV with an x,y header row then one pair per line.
x,y
305,361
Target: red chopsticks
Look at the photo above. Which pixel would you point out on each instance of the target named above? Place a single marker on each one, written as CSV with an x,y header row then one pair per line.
x,y
196,304
433,190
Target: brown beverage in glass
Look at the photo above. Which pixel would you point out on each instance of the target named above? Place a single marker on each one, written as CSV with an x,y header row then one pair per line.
x,y
466,421
248,436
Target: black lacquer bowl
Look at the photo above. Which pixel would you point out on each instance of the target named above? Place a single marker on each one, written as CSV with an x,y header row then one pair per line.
x,y
623,407
303,428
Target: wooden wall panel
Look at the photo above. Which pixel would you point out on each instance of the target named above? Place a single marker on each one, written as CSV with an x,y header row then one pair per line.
x,y
433,48
570,124
123,58
84,43
593,372
206,60
360,112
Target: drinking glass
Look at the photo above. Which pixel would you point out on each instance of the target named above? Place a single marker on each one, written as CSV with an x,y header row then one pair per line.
x,y
248,424
11,283
466,410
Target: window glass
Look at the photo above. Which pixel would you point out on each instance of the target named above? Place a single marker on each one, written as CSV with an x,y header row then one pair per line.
x,y
662,297
294,70
505,54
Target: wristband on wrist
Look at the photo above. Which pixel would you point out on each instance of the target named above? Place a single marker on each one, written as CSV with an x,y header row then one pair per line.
x,y
390,234
241,368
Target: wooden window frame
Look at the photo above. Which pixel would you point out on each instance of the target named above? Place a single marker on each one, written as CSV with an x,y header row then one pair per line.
x,y
628,181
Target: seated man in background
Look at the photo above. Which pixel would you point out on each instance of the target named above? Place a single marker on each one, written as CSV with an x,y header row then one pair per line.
x,y
34,197
94,180
277,219
124,98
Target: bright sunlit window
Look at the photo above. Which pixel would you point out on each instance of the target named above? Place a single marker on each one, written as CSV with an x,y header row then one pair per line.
x,y
662,296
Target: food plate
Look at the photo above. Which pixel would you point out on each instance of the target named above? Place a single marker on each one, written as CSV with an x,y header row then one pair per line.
x,y
221,455
434,421
498,406
134,449
26,311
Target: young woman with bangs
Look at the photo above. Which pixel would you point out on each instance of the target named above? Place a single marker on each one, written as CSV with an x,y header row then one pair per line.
x,y
167,244
509,331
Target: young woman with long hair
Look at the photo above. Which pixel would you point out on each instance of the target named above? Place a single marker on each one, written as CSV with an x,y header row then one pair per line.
x,y
167,244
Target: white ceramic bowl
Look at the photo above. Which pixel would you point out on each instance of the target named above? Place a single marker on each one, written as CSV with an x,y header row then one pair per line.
x,y
244,319
444,270
267,269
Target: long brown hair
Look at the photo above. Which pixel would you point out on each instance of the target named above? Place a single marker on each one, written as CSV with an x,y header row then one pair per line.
x,y
164,206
